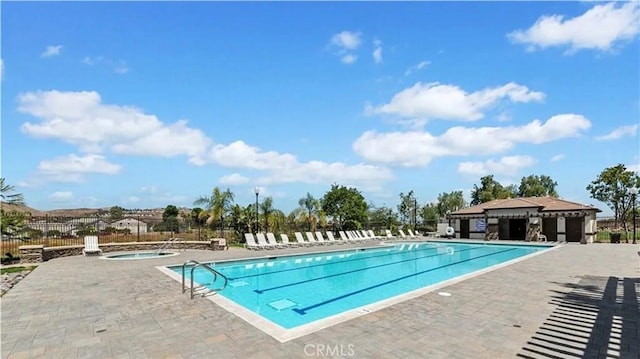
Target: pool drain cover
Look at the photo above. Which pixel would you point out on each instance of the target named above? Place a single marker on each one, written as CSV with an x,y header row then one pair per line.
x,y
282,304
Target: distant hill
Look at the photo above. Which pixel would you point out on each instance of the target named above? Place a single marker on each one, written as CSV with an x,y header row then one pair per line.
x,y
21,208
154,214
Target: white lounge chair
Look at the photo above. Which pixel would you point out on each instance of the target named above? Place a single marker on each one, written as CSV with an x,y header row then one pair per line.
x,y
271,239
321,238
311,239
402,234
91,246
411,234
389,234
301,240
285,241
262,241
333,239
373,235
251,242
343,236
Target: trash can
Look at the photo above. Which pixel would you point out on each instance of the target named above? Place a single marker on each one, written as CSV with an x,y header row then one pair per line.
x,y
614,237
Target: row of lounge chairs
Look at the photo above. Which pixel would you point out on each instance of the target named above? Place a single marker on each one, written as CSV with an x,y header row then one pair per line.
x,y
268,240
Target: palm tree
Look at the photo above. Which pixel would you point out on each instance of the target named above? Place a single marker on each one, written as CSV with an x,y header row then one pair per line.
x,y
217,205
7,195
267,207
312,206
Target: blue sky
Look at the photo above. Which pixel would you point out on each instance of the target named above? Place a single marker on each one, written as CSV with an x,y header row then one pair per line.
x,y
155,103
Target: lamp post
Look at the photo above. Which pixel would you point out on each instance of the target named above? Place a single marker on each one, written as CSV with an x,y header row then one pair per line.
x,y
256,190
634,192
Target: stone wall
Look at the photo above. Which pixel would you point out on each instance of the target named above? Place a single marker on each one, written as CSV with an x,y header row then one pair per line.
x,y
40,253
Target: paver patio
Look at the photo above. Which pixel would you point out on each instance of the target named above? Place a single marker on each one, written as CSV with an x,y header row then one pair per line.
x,y
573,301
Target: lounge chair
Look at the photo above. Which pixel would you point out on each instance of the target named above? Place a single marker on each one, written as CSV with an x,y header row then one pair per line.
x,y
411,234
91,246
333,239
402,234
321,238
542,237
285,241
373,235
311,239
301,240
271,239
389,234
262,241
251,242
343,236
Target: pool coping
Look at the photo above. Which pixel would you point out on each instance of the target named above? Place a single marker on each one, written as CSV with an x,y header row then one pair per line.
x,y
106,257
283,335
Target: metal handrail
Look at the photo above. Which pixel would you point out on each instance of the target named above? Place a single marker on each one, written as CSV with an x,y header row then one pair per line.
x,y
203,265
166,244
183,276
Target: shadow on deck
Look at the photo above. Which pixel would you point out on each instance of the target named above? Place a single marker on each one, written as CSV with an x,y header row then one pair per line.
x,y
598,318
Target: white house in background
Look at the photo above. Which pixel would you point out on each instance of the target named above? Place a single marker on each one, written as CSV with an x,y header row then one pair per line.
x,y
133,225
522,218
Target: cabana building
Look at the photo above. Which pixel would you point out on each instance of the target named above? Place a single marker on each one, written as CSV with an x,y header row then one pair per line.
x,y
527,219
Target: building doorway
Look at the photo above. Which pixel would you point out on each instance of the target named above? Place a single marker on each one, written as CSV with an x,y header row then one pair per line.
x,y
573,228
517,229
550,228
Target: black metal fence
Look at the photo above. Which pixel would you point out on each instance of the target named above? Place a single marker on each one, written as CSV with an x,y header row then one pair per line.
x,y
53,231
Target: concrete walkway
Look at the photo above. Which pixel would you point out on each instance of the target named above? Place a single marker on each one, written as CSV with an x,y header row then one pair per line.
x,y
574,301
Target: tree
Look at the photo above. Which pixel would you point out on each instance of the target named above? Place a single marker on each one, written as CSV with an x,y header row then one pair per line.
x,y
490,190
407,208
382,217
312,206
429,213
116,213
217,205
612,188
170,218
346,205
449,202
537,186
7,195
270,214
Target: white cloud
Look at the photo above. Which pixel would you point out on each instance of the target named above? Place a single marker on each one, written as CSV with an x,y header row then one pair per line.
x,y
119,67
52,50
349,59
557,157
61,196
619,132
285,168
346,40
601,27
233,179
72,168
377,51
79,118
345,43
421,65
439,101
503,117
634,168
418,148
509,165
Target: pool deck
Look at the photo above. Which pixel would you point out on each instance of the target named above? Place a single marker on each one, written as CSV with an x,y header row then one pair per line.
x,y
572,301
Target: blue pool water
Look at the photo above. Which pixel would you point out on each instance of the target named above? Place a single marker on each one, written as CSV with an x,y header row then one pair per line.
x,y
296,290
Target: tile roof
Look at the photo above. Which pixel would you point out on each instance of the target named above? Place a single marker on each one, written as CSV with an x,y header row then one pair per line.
x,y
545,204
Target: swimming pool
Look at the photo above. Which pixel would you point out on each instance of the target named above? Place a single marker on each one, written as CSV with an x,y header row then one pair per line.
x,y
315,290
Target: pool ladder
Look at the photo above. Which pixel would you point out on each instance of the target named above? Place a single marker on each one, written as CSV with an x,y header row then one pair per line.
x,y
168,243
197,264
